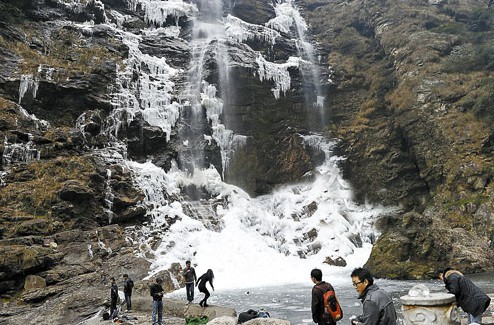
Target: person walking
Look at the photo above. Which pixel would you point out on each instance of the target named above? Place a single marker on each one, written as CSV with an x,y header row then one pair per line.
x,y
128,285
378,307
156,291
113,298
317,305
203,279
468,296
190,277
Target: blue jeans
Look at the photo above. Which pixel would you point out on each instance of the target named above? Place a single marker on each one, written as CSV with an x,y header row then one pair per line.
x,y
157,312
474,319
189,287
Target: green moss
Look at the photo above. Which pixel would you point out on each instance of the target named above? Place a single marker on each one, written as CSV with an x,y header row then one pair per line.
x,y
36,196
64,50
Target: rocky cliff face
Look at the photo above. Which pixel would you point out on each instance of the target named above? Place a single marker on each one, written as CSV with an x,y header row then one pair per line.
x,y
412,103
409,88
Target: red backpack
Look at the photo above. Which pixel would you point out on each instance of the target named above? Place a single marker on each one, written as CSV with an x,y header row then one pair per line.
x,y
332,306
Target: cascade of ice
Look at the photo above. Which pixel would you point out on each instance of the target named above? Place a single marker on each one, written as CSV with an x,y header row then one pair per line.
x,y
287,16
289,231
209,36
293,229
149,95
109,196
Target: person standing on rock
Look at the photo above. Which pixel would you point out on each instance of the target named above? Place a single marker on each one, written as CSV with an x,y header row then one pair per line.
x,y
189,274
157,291
128,285
317,304
378,307
468,296
113,298
203,279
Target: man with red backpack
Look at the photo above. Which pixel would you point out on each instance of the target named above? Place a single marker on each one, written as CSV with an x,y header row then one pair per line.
x,y
321,293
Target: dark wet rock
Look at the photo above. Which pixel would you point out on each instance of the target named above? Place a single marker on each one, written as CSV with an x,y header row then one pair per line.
x,y
339,261
75,191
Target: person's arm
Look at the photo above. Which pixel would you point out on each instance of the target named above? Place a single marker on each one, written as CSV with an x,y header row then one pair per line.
x,y
371,314
198,280
315,305
211,283
194,275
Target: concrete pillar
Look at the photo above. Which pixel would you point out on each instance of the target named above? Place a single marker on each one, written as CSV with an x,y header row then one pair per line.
x,y
423,308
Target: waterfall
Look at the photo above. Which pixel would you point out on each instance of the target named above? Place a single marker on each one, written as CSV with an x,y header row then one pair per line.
x,y
288,16
208,94
276,238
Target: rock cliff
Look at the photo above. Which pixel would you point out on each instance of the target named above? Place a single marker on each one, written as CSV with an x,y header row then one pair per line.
x,y
409,88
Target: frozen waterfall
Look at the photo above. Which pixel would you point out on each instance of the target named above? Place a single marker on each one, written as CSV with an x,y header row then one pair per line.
x,y
276,238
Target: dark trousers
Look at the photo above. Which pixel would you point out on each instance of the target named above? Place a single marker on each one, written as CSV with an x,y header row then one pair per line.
x,y
206,296
189,287
113,308
128,300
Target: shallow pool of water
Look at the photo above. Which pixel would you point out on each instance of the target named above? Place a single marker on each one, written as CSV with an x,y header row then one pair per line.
x,y
292,302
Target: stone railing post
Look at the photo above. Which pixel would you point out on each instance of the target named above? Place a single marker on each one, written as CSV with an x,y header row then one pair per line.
x,y
425,308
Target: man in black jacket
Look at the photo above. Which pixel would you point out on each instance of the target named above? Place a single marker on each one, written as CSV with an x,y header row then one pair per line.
x,y
113,298
468,296
317,305
378,307
156,291
128,285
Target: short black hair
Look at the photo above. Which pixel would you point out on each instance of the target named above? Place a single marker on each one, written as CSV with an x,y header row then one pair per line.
x,y
125,275
316,274
363,274
187,262
443,270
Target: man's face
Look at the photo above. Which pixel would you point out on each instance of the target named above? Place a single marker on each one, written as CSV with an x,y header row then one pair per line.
x,y
441,276
359,285
187,265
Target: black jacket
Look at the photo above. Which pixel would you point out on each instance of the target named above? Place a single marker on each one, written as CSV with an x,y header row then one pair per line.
x,y
156,291
317,305
114,292
378,307
203,279
468,296
128,285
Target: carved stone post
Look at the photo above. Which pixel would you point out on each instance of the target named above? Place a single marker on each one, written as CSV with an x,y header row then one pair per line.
x,y
423,308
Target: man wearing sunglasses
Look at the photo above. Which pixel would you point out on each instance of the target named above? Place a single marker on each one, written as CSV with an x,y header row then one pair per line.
x,y
378,308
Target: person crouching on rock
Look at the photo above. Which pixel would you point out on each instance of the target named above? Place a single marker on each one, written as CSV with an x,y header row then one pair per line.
x,y
203,279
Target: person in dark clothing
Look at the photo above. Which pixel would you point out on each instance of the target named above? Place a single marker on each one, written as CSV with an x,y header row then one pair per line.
x,y
189,274
317,305
128,285
468,296
203,279
113,298
156,291
378,307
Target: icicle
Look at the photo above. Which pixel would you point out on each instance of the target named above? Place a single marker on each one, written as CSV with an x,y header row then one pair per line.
x,y
240,31
277,72
27,82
